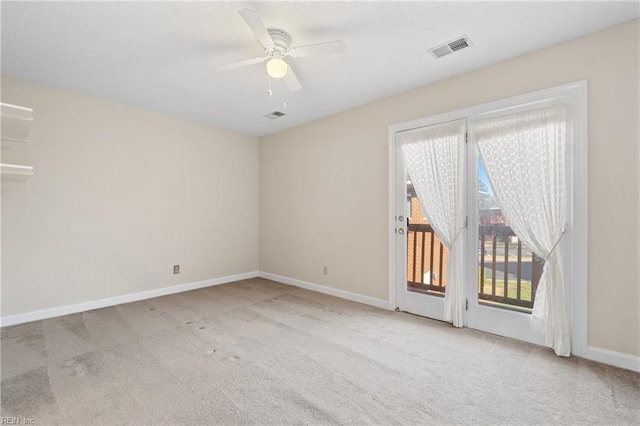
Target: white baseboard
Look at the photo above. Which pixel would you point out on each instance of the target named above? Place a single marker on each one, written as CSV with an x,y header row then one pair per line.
x,y
125,298
617,359
354,297
605,356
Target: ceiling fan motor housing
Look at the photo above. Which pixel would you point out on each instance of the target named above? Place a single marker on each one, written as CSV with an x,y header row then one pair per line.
x,y
280,38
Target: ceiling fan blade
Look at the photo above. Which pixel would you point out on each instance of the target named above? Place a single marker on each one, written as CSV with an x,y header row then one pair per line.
x,y
318,49
253,21
240,64
291,80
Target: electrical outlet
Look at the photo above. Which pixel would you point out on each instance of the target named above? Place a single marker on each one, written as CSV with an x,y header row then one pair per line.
x,y
176,269
325,270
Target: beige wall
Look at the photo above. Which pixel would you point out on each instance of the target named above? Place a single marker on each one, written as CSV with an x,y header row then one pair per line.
x,y
316,179
120,195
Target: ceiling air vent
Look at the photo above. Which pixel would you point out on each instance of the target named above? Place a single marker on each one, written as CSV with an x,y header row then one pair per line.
x,y
275,114
450,47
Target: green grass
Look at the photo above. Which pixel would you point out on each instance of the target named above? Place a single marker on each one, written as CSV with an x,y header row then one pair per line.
x,y
512,288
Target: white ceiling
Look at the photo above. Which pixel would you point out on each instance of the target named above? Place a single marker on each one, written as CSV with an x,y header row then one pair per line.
x,y
160,56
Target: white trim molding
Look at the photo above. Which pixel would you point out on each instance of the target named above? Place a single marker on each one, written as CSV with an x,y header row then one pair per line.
x,y
354,297
617,359
116,300
391,231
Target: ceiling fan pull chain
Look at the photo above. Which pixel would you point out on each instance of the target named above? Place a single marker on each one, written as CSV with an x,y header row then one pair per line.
x,y
284,98
269,91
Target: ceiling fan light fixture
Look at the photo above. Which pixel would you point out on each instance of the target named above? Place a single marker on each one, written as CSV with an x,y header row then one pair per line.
x,y
277,68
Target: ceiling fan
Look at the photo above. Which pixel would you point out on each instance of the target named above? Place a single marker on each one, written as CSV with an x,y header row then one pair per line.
x,y
277,46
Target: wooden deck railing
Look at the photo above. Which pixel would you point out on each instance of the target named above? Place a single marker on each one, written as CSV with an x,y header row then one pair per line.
x,y
508,275
505,277
426,254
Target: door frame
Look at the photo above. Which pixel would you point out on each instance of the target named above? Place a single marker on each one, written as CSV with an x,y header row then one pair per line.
x,y
574,94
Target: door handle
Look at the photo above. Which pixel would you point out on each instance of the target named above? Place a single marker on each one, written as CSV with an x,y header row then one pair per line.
x,y
400,231
401,218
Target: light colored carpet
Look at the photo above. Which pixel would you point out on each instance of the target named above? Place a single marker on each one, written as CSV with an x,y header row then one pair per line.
x,y
259,352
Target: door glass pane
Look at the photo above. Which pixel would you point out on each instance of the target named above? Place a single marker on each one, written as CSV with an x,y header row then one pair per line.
x,y
426,255
508,271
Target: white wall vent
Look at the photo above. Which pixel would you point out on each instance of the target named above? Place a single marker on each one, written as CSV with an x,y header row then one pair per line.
x,y
274,115
450,47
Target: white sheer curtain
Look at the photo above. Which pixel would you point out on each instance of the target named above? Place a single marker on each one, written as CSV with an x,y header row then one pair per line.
x,y
434,157
524,155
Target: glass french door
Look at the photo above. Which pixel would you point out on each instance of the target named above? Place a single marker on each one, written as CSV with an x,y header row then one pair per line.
x,y
501,273
421,257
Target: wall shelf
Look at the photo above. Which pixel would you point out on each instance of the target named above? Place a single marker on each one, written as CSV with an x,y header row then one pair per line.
x,y
15,172
16,123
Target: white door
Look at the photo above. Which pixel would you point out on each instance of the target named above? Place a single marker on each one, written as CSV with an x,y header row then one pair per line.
x,y
503,273
421,257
